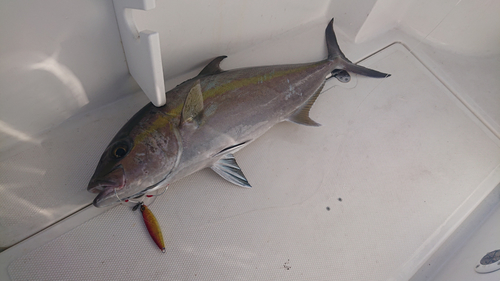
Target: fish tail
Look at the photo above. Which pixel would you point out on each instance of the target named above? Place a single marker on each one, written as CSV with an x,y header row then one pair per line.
x,y
335,54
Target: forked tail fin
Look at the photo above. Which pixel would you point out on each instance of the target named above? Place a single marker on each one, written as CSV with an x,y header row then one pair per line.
x,y
334,53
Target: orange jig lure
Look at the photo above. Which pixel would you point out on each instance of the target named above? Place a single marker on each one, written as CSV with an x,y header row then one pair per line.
x,y
153,227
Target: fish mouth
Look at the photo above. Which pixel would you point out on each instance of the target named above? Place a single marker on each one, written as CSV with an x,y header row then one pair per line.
x,y
107,187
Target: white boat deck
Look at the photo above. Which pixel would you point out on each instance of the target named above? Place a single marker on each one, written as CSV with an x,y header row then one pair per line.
x,y
397,165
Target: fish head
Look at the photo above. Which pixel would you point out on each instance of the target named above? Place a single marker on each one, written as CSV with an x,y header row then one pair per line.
x,y
141,155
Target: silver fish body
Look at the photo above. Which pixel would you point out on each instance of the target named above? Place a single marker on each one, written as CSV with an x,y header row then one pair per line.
x,y
208,118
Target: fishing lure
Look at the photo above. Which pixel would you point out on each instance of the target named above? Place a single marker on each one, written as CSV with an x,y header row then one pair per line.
x,y
149,219
152,225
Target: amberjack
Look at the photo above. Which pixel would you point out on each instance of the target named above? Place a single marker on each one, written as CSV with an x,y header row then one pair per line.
x,y
207,119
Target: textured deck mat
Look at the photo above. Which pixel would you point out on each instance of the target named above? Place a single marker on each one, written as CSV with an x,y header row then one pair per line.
x,y
350,200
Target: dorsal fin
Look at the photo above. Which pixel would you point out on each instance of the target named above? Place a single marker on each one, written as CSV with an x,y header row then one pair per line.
x,y
301,115
193,106
212,67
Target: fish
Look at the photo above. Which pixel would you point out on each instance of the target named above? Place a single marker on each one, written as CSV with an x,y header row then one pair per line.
x,y
153,227
208,118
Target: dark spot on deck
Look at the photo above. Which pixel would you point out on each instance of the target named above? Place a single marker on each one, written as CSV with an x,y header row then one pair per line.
x,y
287,265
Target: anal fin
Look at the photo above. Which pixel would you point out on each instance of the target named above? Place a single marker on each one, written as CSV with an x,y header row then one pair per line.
x,y
228,169
301,115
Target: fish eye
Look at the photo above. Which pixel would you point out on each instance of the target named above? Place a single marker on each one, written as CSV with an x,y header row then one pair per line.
x,y
120,151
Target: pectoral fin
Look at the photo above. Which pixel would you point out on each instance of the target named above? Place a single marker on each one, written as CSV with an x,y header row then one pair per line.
x,y
193,106
301,115
228,169
232,148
